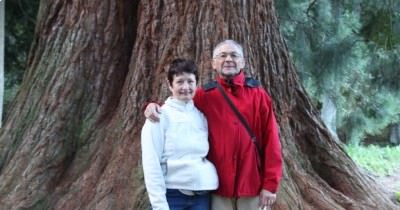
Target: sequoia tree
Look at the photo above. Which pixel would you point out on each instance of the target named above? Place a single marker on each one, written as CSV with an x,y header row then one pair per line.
x,y
71,140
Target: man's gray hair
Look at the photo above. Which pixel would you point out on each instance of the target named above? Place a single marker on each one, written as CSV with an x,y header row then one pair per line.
x,y
228,41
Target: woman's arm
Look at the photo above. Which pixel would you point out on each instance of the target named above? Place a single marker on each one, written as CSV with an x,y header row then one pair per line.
x,y
152,149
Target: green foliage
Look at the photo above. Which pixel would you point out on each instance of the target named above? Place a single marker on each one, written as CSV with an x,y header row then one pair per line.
x,y
378,160
398,196
379,23
348,51
9,94
19,29
384,68
366,109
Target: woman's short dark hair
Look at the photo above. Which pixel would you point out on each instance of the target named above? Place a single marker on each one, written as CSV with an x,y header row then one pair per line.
x,y
180,66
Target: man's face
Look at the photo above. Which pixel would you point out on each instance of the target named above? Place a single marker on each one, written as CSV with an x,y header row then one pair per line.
x,y
228,61
183,86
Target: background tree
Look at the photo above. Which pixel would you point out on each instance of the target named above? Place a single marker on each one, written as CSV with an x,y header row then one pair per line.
x,y
71,140
20,20
347,52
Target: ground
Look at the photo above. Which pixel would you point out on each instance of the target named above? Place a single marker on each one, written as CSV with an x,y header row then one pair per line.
x,y
391,184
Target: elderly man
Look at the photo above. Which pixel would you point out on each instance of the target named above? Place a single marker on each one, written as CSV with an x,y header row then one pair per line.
x,y
249,171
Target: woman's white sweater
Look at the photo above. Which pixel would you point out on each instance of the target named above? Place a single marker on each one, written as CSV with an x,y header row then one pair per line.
x,y
174,152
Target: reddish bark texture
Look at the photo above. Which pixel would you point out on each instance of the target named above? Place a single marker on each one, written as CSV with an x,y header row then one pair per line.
x,y
72,138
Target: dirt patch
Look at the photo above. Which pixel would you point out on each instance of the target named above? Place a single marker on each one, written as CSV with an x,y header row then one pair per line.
x,y
391,184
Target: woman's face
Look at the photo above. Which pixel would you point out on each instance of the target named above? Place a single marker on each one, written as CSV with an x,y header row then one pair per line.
x,y
183,87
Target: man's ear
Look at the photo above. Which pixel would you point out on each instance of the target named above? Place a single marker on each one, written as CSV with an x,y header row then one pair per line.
x,y
241,64
214,64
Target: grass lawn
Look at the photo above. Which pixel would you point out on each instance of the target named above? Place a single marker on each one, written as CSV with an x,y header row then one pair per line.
x,y
381,161
384,162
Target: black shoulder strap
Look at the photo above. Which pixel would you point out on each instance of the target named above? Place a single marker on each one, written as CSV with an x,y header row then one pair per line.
x,y
240,117
210,85
250,82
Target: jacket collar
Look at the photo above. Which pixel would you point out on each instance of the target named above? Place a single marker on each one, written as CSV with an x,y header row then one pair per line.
x,y
237,80
179,105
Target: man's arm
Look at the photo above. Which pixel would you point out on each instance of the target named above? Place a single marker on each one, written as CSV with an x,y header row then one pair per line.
x,y
272,168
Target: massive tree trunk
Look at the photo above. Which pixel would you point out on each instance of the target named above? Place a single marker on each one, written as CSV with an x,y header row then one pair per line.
x,y
71,140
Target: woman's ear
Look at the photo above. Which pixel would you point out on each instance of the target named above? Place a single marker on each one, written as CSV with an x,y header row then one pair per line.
x,y
168,84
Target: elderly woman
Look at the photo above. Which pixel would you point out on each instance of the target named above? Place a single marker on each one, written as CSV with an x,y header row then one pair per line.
x,y
176,172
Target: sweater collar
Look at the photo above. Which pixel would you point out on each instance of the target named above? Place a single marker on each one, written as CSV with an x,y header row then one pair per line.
x,y
179,105
237,80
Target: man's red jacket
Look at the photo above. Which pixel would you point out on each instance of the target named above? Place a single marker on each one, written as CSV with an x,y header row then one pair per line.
x,y
231,149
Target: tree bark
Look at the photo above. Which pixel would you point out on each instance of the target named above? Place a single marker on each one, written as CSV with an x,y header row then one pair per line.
x,y
71,140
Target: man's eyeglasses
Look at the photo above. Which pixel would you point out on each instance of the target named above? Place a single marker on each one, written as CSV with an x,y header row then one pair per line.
x,y
224,56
